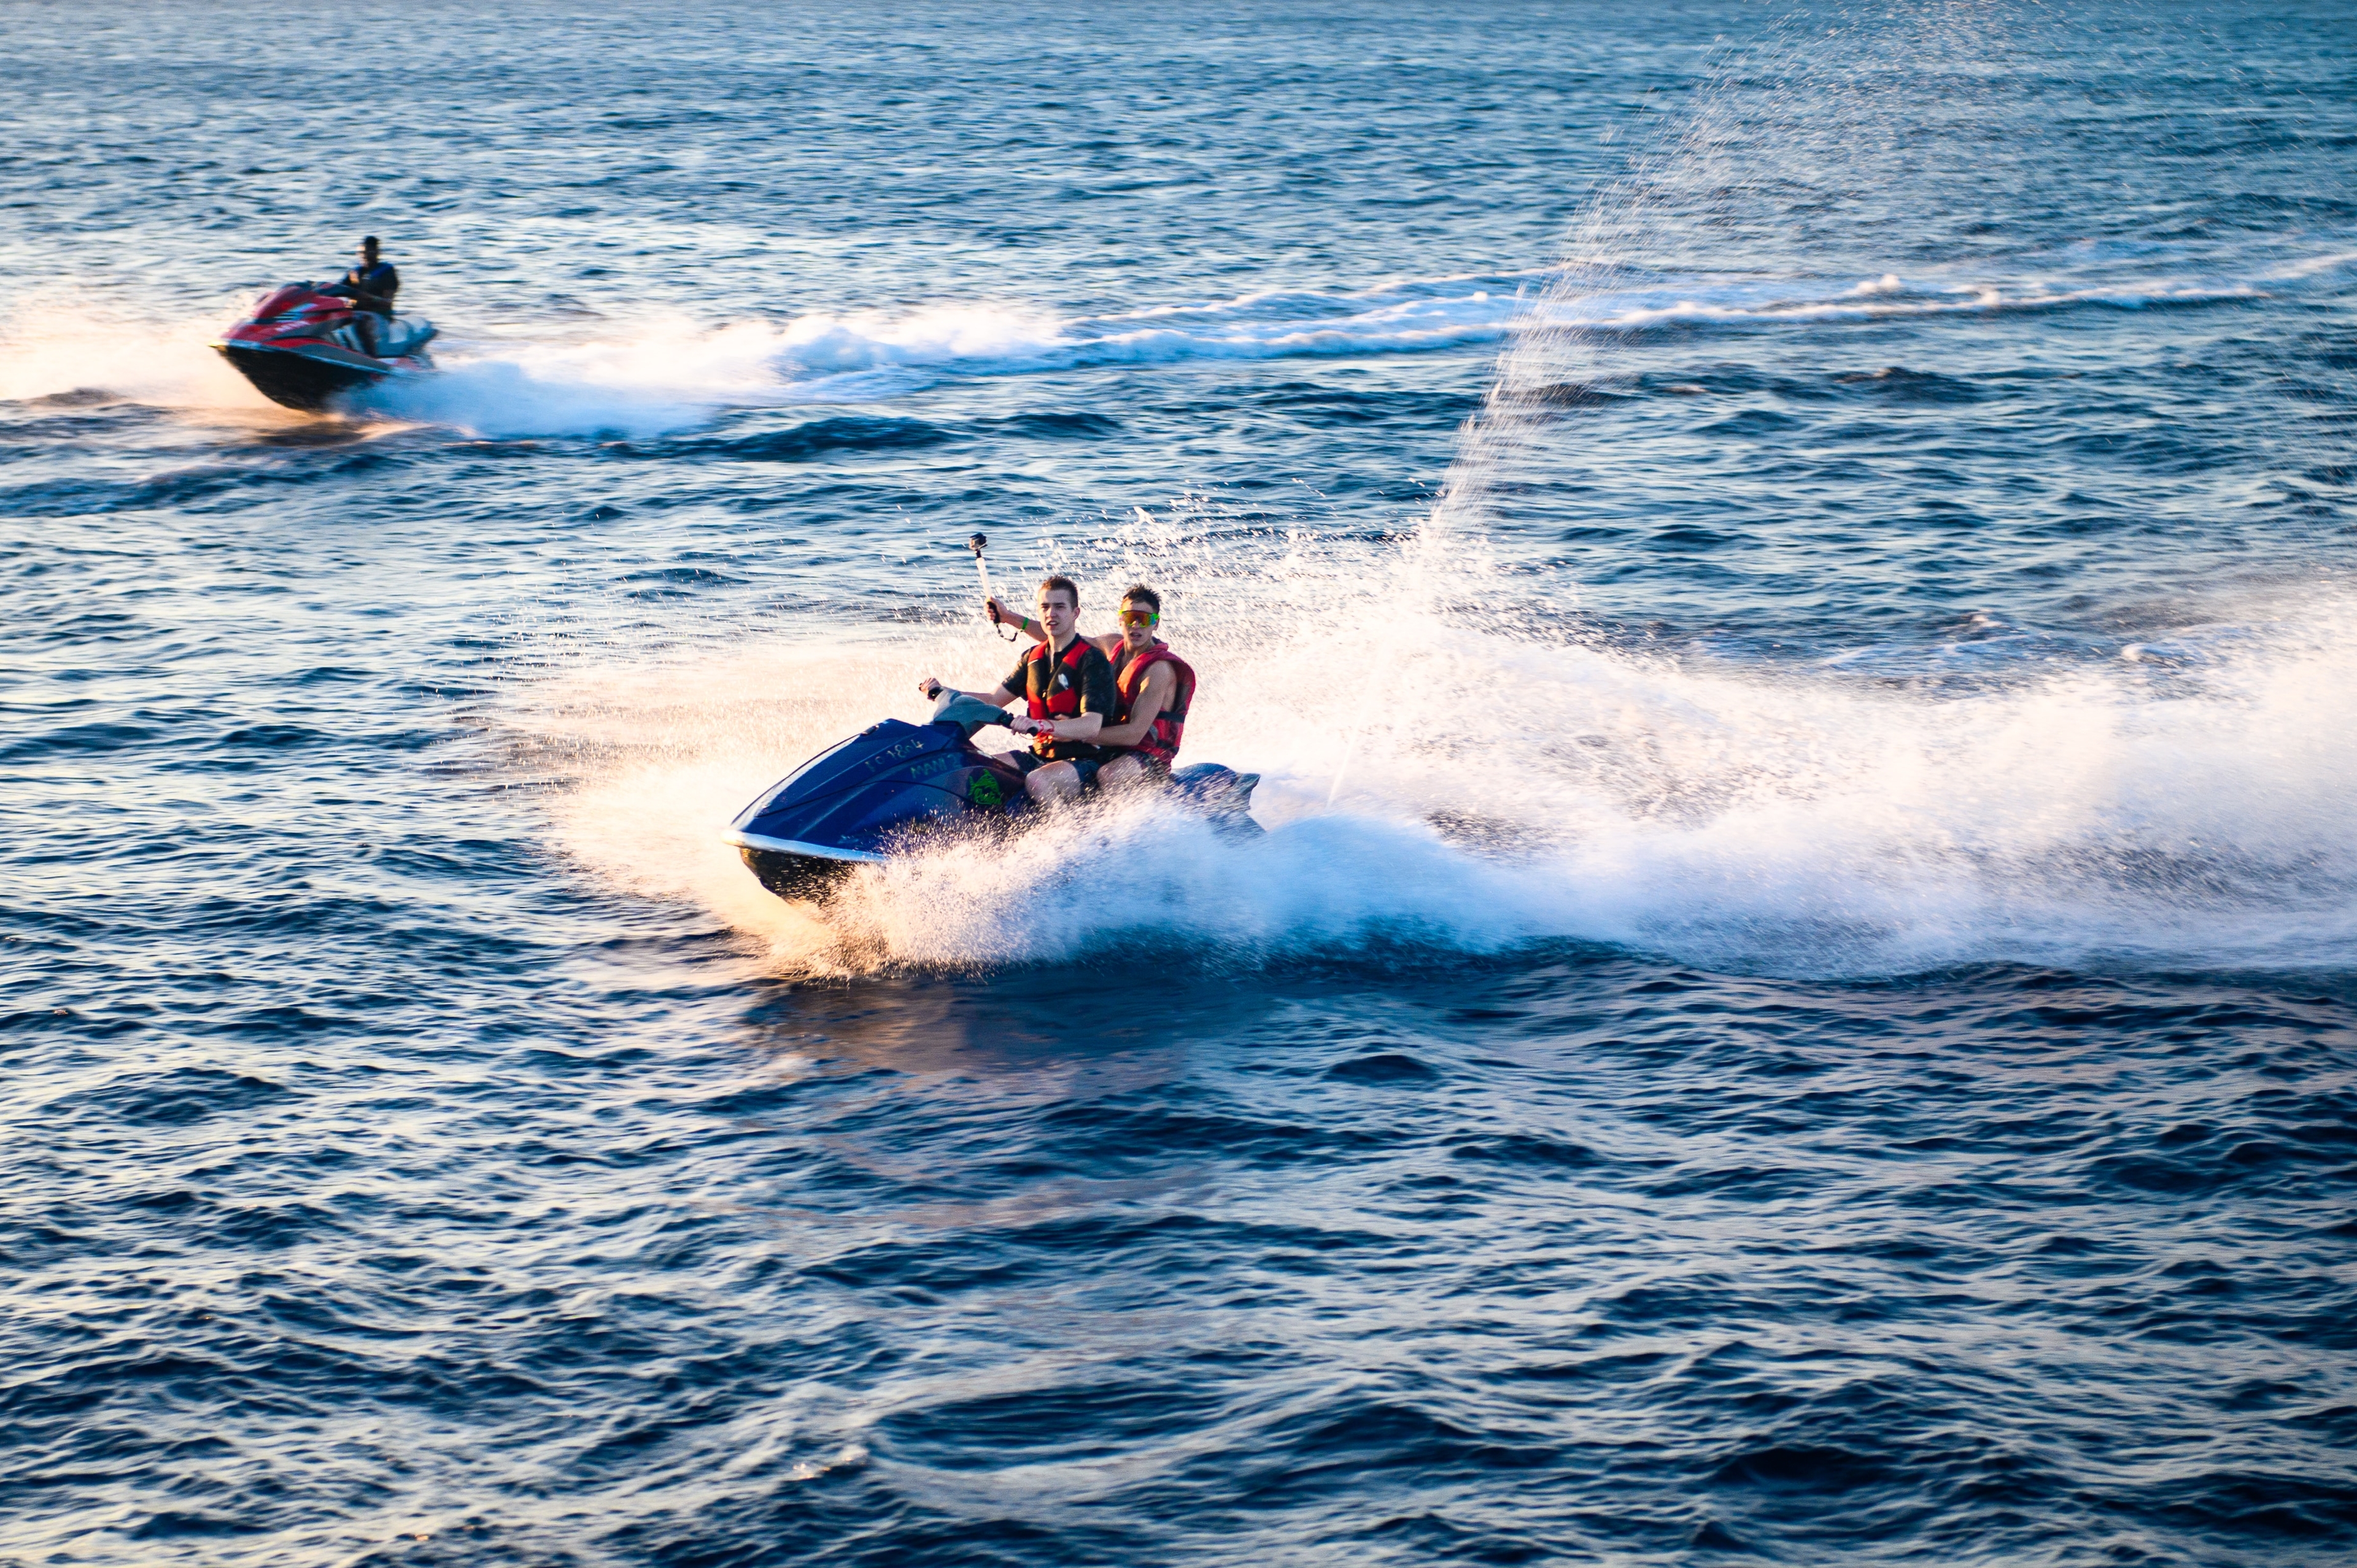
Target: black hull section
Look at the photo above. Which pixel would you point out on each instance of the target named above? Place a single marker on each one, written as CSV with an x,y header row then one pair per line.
x,y
297,381
807,876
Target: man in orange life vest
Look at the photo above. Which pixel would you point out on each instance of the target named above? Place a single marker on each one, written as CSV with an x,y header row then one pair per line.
x,y
1068,692
1154,686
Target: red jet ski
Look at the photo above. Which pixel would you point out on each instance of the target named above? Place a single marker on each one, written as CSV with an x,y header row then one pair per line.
x,y
304,347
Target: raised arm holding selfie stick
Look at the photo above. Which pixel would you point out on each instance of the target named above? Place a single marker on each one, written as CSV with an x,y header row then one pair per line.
x,y
978,544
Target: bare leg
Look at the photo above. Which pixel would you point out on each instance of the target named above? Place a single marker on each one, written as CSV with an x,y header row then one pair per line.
x,y
1056,781
1121,772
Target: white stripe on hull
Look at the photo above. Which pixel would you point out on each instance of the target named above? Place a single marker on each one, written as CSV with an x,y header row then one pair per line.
x,y
792,846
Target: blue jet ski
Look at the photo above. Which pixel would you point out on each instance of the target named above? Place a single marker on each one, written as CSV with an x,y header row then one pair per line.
x,y
897,787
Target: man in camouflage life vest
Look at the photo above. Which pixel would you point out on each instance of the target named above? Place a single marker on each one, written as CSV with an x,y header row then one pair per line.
x,y
1153,688
1069,694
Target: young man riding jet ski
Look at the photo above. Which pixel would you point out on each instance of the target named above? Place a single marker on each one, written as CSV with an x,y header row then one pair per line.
x,y
369,286
1154,686
1068,688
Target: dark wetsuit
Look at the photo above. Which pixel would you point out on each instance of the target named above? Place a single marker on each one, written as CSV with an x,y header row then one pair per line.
x,y
371,287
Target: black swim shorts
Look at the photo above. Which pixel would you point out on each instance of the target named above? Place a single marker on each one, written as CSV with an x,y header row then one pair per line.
x,y
1031,762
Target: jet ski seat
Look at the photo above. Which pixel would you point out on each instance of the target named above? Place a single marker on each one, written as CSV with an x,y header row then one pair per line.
x,y
404,337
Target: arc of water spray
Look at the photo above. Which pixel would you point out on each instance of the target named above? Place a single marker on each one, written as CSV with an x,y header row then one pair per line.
x,y
1496,429
1427,535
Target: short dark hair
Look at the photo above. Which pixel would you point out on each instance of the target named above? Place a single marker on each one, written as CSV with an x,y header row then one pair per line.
x,y
1139,594
1049,584
368,239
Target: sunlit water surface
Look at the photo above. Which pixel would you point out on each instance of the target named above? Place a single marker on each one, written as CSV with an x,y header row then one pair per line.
x,y
1787,577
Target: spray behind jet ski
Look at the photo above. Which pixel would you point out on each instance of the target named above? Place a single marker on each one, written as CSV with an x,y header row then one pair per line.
x,y
896,789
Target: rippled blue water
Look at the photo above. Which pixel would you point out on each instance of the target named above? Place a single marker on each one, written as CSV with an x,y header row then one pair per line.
x,y
1786,573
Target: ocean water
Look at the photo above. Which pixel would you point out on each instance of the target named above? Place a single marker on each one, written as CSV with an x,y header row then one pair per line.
x,y
1787,570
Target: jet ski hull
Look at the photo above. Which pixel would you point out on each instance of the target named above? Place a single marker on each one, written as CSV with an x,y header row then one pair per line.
x,y
794,871
295,378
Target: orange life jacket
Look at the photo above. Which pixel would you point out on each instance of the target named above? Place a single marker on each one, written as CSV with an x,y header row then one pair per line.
x,y
1161,742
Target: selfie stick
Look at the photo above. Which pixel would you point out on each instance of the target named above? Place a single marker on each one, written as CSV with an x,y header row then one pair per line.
x,y
977,543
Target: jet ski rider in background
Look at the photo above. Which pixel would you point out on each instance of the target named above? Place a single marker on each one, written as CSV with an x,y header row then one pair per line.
x,y
371,287
1068,688
1154,686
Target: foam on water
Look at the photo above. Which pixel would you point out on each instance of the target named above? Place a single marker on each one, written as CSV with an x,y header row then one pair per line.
x,y
49,346
673,372
1872,299
2191,811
